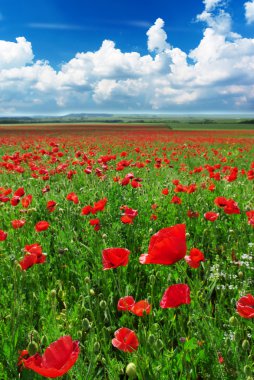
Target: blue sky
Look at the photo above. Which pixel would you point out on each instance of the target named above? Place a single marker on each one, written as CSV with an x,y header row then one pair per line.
x,y
126,56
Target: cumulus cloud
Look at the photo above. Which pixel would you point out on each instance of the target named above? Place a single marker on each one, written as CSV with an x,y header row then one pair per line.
x,y
157,37
216,75
249,11
15,54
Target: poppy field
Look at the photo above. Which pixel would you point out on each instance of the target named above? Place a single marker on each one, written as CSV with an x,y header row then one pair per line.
x,y
126,253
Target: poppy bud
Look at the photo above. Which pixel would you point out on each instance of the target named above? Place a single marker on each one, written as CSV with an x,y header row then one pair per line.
x,y
152,278
18,266
87,280
73,289
34,335
92,292
131,370
32,348
245,344
103,304
247,370
44,341
79,334
86,324
53,293
151,340
159,344
232,320
240,274
103,360
96,347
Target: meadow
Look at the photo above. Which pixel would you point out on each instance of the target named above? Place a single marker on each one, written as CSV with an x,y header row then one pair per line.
x,y
70,195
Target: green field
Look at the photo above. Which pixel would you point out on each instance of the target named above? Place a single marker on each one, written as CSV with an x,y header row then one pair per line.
x,y
71,294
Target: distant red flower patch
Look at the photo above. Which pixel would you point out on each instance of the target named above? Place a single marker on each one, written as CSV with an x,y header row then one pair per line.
x,y
166,247
42,226
245,306
175,296
165,191
115,257
57,360
125,340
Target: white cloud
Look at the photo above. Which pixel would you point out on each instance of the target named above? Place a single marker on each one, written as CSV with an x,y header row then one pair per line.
x,y
249,11
216,75
15,54
211,4
157,37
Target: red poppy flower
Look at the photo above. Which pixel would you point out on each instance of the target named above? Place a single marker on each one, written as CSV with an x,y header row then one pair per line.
x,y
125,219
45,189
166,247
141,308
15,201
129,215
3,235
176,200
18,223
192,214
34,256
125,303
245,306
51,206
250,216
19,193
86,210
125,340
220,201
73,198
165,191
57,359
211,216
26,201
99,206
42,226
114,257
176,295
95,223
194,258
231,207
